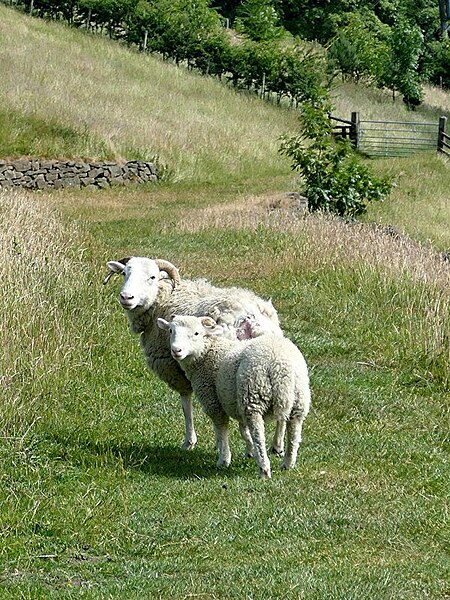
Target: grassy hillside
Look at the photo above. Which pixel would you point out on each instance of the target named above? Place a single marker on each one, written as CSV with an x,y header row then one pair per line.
x,y
137,106
87,97
97,499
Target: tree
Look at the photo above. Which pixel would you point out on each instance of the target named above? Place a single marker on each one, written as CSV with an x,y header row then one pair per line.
x,y
334,179
360,50
259,20
401,70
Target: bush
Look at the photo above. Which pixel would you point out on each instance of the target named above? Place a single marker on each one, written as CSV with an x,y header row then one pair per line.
x,y
259,20
334,178
360,50
439,63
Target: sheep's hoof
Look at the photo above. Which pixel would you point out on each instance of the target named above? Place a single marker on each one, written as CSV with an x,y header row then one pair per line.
x,y
222,464
285,466
264,474
189,444
277,451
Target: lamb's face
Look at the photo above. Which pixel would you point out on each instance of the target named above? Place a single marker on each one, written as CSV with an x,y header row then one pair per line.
x,y
140,287
188,335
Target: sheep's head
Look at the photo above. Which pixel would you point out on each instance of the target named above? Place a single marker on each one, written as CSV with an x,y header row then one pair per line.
x,y
142,275
188,335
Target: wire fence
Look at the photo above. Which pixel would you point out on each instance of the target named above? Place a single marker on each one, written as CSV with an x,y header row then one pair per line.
x,y
393,138
397,138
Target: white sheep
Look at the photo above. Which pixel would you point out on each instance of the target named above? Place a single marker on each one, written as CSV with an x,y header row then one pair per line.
x,y
153,288
246,380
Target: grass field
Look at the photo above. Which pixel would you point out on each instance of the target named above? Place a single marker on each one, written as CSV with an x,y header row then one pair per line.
x,y
97,498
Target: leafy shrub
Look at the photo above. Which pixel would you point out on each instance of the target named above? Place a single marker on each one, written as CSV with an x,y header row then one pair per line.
x,y
439,63
259,20
334,178
360,50
401,70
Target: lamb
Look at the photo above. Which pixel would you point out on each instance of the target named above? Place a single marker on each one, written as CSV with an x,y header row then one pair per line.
x,y
153,288
247,380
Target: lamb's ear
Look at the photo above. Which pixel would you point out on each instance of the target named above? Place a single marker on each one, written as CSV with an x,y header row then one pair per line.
x,y
211,326
162,323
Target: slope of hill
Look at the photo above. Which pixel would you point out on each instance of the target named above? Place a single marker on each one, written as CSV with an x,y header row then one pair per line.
x,y
66,93
136,105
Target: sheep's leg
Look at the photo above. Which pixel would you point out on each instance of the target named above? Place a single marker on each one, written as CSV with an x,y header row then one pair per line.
x,y
257,431
278,438
223,446
294,437
245,434
190,438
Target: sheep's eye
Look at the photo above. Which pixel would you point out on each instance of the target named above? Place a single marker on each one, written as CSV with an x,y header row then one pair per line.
x,y
196,333
152,277
170,330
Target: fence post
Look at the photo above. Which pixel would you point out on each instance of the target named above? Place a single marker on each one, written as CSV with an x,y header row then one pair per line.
x,y
441,132
144,45
354,129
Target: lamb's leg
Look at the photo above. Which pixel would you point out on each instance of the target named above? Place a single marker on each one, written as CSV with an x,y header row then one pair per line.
x,y
257,431
190,438
294,437
245,435
223,446
278,438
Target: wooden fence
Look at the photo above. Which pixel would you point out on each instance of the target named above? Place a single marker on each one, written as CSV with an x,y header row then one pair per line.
x,y
393,138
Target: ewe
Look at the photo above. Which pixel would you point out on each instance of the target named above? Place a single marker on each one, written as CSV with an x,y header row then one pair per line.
x,y
153,288
246,380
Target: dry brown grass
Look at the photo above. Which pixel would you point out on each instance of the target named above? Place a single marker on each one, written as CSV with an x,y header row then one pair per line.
x,y
40,273
323,240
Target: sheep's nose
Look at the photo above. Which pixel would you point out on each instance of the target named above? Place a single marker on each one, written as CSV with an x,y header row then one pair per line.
x,y
176,351
124,297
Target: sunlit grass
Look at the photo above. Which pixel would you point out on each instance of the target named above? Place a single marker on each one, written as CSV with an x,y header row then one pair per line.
x,y
97,495
138,104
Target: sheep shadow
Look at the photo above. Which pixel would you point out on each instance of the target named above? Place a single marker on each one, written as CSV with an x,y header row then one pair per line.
x,y
169,461
163,460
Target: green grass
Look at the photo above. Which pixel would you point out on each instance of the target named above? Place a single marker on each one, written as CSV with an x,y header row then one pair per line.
x,y
28,135
97,499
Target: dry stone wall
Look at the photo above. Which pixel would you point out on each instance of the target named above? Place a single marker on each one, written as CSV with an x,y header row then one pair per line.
x,y
45,174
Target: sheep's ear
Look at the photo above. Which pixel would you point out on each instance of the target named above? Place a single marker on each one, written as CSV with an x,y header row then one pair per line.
x,y
162,323
211,326
116,266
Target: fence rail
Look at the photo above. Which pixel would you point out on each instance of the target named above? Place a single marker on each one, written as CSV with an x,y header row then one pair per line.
x,y
393,138
444,143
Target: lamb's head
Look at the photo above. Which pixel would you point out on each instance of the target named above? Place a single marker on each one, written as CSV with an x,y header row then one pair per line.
x,y
142,275
188,335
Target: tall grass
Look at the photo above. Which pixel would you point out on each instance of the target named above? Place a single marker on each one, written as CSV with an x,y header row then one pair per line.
x,y
376,104
43,272
138,106
391,274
